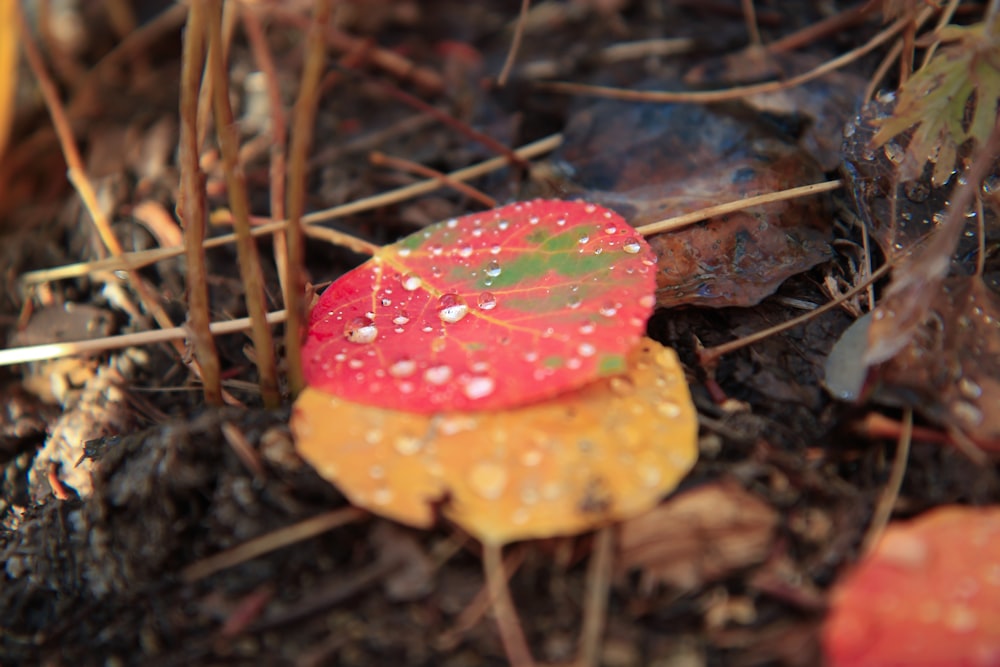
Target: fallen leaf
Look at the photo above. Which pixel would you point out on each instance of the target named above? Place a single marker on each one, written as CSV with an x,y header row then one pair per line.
x,y
949,371
899,213
948,102
585,458
698,536
486,311
654,161
929,594
815,111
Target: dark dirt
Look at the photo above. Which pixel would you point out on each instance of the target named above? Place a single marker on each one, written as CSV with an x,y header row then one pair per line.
x,y
115,577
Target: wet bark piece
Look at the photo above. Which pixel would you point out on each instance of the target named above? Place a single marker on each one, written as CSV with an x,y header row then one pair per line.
x,y
654,161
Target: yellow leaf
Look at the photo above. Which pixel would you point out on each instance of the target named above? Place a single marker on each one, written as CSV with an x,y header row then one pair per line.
x,y
592,456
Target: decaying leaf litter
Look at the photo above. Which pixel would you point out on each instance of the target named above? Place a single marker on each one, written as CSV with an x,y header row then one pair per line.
x,y
121,564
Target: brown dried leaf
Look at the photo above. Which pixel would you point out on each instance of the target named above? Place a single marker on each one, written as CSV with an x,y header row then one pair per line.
x,y
950,369
900,213
651,162
698,536
817,110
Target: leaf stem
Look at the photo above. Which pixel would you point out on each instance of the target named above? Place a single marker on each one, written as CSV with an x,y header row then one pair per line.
x,y
504,613
192,205
304,118
249,261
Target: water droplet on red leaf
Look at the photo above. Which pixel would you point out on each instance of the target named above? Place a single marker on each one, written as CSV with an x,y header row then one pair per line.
x,y
487,301
451,308
360,330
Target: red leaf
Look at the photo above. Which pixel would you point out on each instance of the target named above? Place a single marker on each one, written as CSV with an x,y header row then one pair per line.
x,y
491,310
927,596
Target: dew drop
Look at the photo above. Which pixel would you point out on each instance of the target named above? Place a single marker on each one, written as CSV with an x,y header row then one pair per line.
x,y
403,367
402,317
608,309
495,250
967,413
669,409
479,387
586,350
583,239
631,246
622,385
386,302
488,479
465,251
407,445
451,308
438,374
610,228
587,328
404,252
969,388
487,301
355,364
493,268
574,300
360,330
411,282
647,300
503,224
436,250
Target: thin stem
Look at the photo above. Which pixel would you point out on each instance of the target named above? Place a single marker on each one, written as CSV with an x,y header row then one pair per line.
x,y
249,261
883,510
380,159
192,205
515,44
305,116
728,94
147,257
750,18
678,221
278,131
596,597
505,614
77,175
29,353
